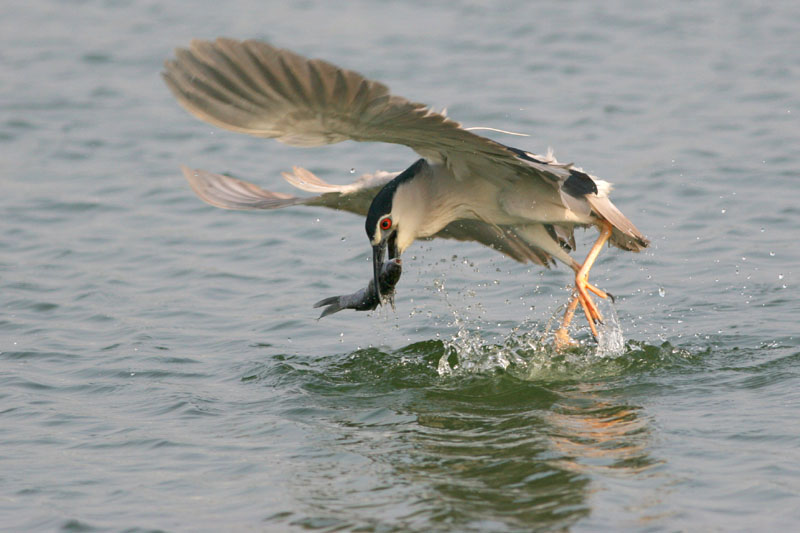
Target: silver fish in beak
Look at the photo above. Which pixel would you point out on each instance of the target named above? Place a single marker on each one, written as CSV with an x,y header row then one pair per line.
x,y
367,298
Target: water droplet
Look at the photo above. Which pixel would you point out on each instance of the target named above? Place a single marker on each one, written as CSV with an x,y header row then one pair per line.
x,y
662,292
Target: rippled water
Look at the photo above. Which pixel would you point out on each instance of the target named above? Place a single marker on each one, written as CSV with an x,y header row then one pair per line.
x,y
161,367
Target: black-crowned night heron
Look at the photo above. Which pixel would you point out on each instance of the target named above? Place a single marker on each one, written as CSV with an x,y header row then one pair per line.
x,y
465,187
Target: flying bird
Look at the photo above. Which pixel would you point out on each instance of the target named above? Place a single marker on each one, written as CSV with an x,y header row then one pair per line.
x,y
464,186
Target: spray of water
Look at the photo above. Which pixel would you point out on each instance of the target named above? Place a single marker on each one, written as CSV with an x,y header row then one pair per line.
x,y
527,350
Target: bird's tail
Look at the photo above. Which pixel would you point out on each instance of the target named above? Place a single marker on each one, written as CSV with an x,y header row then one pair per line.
x,y
624,234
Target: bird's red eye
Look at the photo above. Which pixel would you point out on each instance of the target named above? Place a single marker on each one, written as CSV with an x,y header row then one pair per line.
x,y
386,223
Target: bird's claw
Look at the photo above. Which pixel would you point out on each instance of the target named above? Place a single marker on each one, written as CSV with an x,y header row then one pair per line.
x,y
593,316
562,340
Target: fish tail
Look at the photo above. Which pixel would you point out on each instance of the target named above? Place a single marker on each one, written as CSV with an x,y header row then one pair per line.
x,y
327,301
333,306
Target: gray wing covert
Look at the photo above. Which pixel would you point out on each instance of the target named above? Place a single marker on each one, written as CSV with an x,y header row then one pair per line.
x,y
501,238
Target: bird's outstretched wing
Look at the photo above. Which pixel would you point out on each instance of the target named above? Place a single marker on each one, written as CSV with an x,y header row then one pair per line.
x,y
252,87
231,193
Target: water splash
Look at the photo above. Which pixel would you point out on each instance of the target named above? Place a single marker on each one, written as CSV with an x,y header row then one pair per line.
x,y
610,340
528,351
468,352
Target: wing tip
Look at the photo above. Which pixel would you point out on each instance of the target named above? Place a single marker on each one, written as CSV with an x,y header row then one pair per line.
x,y
227,192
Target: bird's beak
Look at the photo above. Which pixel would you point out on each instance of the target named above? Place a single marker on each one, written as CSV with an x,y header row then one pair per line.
x,y
378,251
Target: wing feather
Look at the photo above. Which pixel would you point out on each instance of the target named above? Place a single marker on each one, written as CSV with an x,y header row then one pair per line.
x,y
255,88
503,239
231,193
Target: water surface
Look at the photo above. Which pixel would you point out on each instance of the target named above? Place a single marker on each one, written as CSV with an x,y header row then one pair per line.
x,y
161,367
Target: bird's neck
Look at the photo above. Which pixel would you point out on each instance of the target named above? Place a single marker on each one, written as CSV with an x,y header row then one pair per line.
x,y
421,210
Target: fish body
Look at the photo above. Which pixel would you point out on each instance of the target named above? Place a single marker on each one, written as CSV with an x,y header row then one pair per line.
x,y
365,299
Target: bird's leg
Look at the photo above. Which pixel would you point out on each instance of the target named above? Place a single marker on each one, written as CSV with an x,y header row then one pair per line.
x,y
582,289
582,279
562,339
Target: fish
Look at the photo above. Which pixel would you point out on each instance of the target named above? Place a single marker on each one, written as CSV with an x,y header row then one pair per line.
x,y
365,299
